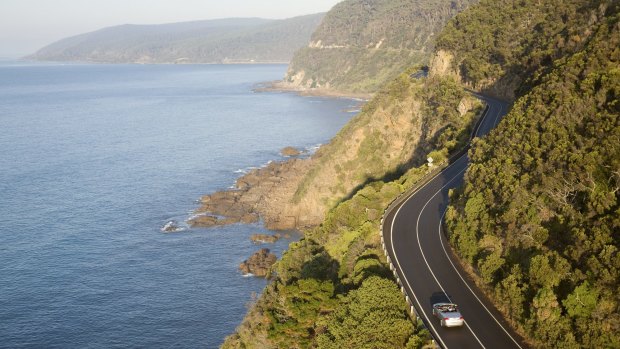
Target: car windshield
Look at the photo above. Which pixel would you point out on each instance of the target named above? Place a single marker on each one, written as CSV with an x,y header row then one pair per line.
x,y
448,308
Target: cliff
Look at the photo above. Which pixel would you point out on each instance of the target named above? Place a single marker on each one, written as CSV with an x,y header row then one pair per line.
x,y
395,131
363,44
243,40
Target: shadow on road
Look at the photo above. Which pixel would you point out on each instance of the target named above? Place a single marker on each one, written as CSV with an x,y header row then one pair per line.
x,y
440,297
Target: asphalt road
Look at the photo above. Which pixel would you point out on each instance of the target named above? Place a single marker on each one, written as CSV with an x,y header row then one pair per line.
x,y
417,246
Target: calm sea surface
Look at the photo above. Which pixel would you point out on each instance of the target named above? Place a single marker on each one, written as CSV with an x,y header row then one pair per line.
x,y
95,159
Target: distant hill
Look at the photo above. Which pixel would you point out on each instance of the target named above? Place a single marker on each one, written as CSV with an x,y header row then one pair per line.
x,y
210,41
362,44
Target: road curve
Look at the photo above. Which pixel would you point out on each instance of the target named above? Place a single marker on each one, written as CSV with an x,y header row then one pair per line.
x,y
418,249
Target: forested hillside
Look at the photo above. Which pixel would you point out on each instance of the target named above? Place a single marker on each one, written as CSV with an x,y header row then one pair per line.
x,y
363,44
537,222
539,216
504,46
333,289
211,41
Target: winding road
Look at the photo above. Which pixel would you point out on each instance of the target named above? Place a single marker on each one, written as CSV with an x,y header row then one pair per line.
x,y
427,270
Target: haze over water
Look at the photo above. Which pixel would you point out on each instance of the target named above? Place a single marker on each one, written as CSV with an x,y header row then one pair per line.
x,y
95,159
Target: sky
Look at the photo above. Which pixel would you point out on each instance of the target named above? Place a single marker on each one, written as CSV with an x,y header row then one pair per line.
x,y
28,25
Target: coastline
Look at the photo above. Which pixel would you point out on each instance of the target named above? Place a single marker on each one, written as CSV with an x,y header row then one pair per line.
x,y
265,194
34,60
282,86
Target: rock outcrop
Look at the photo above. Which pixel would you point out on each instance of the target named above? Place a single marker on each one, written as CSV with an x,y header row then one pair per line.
x,y
263,193
259,263
290,151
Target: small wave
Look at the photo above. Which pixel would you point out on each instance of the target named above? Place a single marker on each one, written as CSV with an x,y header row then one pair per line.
x,y
195,215
313,149
172,226
248,275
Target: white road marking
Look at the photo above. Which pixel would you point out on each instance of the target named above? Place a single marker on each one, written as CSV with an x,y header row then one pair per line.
x,y
417,230
498,113
466,284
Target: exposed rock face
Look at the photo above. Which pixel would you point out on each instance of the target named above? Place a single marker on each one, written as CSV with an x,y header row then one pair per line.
x,y
259,263
441,65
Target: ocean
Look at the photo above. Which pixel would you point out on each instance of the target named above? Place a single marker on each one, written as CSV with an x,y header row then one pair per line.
x,y
96,159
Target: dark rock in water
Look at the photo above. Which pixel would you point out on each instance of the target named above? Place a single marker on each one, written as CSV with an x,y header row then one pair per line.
x,y
290,151
265,238
259,263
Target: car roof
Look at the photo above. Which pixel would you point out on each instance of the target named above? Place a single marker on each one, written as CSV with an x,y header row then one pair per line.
x,y
440,304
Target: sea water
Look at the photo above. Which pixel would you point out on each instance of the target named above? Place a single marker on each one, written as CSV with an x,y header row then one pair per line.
x,y
95,159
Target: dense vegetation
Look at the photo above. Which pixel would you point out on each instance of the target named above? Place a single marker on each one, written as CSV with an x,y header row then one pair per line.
x,y
505,45
211,41
333,289
363,44
538,219
539,216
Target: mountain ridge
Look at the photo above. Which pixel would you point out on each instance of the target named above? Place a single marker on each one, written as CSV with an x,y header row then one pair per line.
x,y
230,40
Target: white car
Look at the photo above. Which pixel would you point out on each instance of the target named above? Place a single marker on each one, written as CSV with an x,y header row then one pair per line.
x,y
448,314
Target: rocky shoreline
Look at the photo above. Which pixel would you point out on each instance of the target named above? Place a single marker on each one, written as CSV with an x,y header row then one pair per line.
x,y
265,194
256,195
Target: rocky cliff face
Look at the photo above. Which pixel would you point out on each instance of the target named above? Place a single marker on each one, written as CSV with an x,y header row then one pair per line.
x,y
395,130
362,44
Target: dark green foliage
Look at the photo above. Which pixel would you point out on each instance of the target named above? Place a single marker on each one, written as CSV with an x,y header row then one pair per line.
x,y
540,212
372,317
305,259
333,288
295,310
501,44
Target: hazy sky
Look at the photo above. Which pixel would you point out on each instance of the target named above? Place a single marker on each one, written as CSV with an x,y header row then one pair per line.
x,y
27,25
